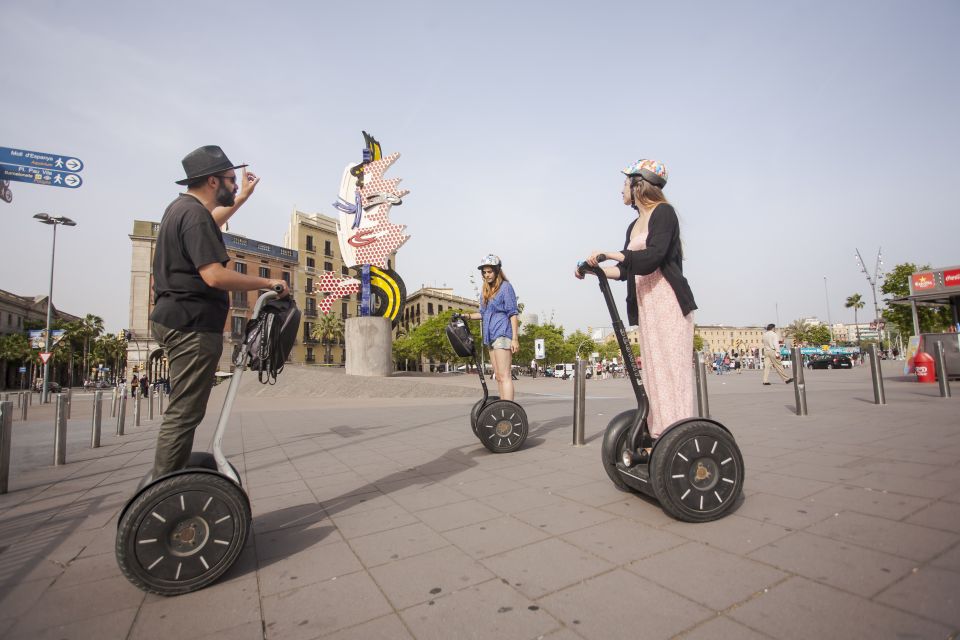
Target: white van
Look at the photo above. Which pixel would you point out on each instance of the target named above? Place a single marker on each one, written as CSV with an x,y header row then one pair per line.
x,y
563,370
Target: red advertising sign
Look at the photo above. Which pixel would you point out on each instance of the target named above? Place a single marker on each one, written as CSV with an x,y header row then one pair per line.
x,y
922,281
951,278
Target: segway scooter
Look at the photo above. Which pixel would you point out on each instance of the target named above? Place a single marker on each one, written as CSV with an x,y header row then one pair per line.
x,y
694,470
183,530
501,425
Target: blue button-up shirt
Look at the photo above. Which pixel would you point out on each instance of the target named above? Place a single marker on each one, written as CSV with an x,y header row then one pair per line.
x,y
497,313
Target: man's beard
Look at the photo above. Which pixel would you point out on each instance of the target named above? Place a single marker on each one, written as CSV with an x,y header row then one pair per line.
x,y
225,197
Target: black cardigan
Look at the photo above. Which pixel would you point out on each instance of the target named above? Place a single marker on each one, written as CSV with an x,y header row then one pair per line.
x,y
663,252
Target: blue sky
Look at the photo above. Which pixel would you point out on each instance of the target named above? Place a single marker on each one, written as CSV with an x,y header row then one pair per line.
x,y
793,132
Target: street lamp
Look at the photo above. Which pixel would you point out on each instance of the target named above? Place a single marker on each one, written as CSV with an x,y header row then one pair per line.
x,y
46,218
873,281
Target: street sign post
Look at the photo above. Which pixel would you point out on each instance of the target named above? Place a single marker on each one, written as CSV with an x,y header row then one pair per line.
x,y
44,357
40,160
45,177
36,167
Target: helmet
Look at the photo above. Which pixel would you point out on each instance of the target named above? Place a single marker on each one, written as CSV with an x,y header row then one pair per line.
x,y
490,260
653,171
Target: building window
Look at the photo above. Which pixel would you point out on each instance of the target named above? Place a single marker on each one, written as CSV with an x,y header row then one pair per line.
x,y
286,277
327,248
310,243
239,299
439,309
240,267
311,263
309,287
237,324
328,266
343,310
264,272
310,357
344,271
429,308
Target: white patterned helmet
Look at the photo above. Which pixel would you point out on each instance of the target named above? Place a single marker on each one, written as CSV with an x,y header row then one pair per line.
x,y
490,260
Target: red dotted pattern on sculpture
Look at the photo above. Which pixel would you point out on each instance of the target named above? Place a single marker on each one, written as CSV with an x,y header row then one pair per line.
x,y
389,236
336,288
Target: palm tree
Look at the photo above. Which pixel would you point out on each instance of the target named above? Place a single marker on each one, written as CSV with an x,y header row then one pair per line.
x,y
796,330
14,348
328,329
855,302
91,327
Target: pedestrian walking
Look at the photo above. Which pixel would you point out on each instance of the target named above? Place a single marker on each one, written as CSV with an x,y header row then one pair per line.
x,y
771,355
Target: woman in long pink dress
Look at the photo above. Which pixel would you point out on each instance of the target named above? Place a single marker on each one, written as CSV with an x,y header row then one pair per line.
x,y
659,298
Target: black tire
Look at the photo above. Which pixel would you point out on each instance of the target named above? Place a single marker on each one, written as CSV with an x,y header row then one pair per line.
x,y
502,426
614,442
182,533
476,409
697,471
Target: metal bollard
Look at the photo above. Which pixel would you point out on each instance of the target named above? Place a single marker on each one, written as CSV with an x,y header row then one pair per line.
x,y
60,431
877,376
6,431
121,414
23,410
136,410
96,419
799,387
113,403
579,401
160,401
150,412
942,375
19,399
69,402
700,373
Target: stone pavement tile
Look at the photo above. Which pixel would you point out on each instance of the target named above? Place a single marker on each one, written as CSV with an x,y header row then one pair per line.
x,y
116,624
102,541
338,486
543,567
353,525
495,536
247,631
732,533
876,503
838,564
64,606
563,517
919,487
16,599
641,508
263,475
441,466
257,492
897,538
520,498
269,504
523,471
555,480
894,466
421,578
5,624
88,569
786,512
388,627
488,610
801,609
594,494
459,514
709,576
949,560
420,497
821,457
310,565
781,485
314,529
613,606
221,606
928,592
924,457
560,634
468,476
818,472
939,515
487,486
299,516
394,544
621,541
757,450
318,465
723,628
357,503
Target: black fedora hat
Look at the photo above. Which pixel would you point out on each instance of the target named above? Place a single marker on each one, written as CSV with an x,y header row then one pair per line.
x,y
206,161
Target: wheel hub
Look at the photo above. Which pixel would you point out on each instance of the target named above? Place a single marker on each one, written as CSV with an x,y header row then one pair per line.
x,y
189,536
503,428
704,474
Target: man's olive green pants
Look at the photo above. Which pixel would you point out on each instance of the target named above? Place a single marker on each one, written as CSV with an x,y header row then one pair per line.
x,y
192,358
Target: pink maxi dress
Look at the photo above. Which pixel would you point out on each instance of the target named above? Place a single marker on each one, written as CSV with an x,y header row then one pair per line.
x,y
666,346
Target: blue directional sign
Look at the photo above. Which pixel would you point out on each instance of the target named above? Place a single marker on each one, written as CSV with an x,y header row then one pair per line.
x,y
45,177
54,161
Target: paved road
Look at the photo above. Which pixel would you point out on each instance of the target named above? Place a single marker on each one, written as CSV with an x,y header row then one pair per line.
x,y
382,517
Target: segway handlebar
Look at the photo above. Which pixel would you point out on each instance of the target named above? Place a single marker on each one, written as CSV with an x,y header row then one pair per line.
x,y
272,294
583,267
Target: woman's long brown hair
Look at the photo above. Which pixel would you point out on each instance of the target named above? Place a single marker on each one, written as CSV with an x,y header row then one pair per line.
x,y
491,290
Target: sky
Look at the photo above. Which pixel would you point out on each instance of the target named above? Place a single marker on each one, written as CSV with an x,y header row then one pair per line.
x,y
794,134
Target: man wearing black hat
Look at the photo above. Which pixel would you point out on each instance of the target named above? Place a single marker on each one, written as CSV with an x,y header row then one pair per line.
x,y
190,288
771,355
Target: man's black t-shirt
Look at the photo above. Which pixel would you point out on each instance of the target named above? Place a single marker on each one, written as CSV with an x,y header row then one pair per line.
x,y
188,239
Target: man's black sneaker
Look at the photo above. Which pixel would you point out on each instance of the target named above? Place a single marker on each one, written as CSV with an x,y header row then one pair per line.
x,y
767,384
788,381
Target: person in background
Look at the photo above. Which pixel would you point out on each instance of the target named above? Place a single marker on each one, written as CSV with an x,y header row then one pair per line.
x,y
771,355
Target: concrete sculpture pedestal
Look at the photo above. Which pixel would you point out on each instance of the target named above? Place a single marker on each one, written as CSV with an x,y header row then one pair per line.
x,y
369,346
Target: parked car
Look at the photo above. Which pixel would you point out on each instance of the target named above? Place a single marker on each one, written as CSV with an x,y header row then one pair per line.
x,y
831,361
53,386
96,384
548,372
564,371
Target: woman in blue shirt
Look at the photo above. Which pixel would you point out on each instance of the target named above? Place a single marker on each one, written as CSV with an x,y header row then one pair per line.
x,y
501,325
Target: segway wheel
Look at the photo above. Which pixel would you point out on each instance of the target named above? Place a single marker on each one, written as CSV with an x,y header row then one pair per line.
x,y
476,410
182,533
697,471
502,426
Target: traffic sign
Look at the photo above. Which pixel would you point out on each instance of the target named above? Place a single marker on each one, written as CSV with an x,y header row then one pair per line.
x,y
24,158
45,177
22,370
44,357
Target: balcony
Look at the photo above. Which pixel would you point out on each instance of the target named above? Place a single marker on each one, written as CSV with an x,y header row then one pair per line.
x,y
308,289
309,313
310,359
307,339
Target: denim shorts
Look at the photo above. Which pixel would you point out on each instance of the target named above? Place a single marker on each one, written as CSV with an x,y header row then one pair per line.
x,y
502,342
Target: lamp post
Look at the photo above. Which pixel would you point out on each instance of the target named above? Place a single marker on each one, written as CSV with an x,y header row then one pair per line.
x,y
46,218
827,297
873,280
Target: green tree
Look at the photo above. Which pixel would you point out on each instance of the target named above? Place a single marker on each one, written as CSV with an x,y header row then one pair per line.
x,y
609,349
578,341
796,330
856,303
897,285
14,351
328,329
554,345
697,342
818,335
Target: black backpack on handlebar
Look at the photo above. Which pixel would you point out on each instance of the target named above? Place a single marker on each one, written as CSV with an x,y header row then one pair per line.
x,y
270,338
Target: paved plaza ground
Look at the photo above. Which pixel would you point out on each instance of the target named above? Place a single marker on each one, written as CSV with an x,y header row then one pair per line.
x,y
377,514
